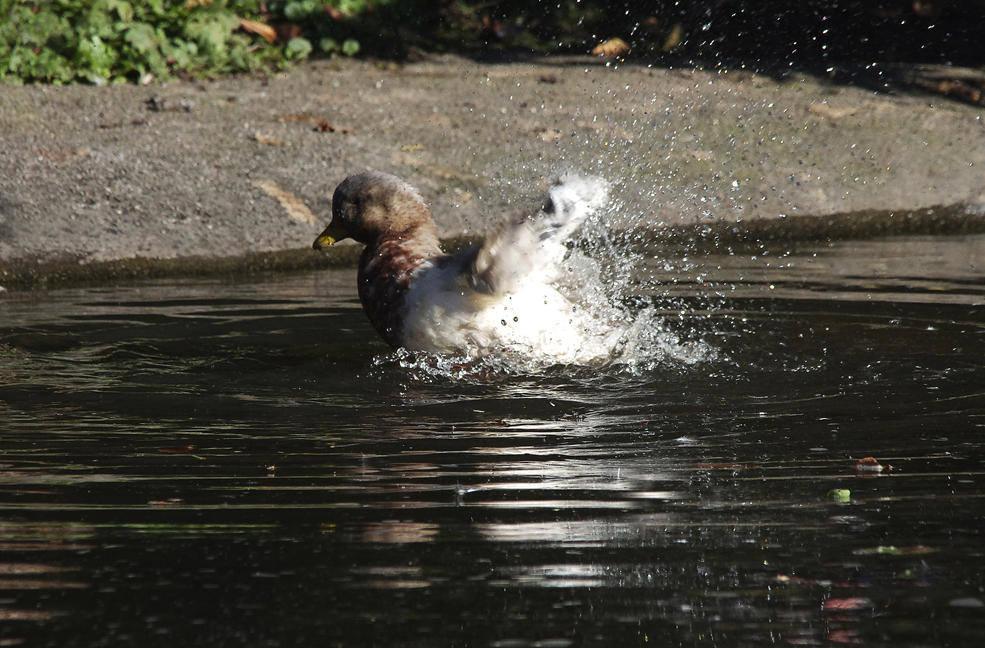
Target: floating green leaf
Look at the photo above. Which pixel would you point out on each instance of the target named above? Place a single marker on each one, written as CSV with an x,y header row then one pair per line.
x,y
839,495
889,550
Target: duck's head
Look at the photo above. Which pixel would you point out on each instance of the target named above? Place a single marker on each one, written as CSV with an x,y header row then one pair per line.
x,y
373,204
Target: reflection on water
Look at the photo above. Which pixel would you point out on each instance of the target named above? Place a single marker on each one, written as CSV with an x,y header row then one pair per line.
x,y
210,463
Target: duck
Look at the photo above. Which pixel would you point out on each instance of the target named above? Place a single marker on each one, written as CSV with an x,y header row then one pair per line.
x,y
501,296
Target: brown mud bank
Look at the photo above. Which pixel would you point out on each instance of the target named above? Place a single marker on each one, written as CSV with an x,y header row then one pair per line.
x,y
236,175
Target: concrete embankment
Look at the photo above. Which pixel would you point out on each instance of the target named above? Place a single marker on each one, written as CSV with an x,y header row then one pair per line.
x,y
236,175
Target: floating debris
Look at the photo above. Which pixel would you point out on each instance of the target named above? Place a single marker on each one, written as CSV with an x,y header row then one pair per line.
x,y
868,465
840,495
847,603
889,550
724,466
178,450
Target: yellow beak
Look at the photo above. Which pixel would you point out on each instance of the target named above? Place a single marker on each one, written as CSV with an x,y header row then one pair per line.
x,y
334,233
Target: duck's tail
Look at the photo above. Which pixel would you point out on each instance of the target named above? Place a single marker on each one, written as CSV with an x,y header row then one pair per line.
x,y
571,200
532,248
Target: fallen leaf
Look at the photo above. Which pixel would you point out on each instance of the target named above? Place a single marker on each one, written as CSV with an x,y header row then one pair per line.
x,y
298,118
268,33
651,24
827,110
321,125
269,140
674,38
62,153
294,206
612,48
164,104
550,78
116,124
961,90
408,159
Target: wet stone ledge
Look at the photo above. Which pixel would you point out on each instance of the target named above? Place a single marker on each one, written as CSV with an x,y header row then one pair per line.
x,y
62,273
944,220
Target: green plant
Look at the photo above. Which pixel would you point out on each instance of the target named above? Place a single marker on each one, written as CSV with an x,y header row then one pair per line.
x,y
112,41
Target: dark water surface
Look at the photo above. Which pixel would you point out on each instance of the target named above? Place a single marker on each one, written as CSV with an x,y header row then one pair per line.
x,y
244,464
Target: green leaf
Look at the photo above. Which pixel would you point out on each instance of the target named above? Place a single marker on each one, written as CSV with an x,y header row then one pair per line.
x,y
96,22
96,57
143,37
297,11
145,41
298,48
123,9
181,51
350,47
211,32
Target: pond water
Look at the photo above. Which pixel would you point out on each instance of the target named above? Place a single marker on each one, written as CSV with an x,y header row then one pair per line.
x,y
243,463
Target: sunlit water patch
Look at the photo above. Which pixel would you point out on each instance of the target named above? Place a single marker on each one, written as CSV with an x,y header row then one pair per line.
x,y
209,462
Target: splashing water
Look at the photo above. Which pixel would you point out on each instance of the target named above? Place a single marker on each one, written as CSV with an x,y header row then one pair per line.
x,y
617,331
